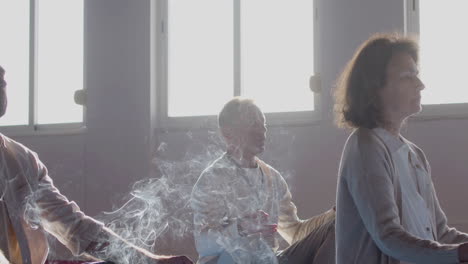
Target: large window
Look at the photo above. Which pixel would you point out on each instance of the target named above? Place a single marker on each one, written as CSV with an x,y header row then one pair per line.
x,y
217,49
42,53
441,27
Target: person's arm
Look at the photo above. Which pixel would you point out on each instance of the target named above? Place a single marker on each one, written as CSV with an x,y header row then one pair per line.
x,y
111,247
367,171
78,232
59,216
290,227
444,233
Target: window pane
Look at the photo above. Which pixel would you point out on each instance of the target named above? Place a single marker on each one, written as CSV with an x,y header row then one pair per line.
x,y
14,58
60,60
277,53
200,56
443,41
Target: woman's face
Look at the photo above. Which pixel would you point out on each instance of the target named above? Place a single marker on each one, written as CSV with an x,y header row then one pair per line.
x,y
401,96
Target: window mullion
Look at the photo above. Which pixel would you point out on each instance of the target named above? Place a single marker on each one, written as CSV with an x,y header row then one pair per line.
x,y
33,64
237,48
411,23
162,64
85,61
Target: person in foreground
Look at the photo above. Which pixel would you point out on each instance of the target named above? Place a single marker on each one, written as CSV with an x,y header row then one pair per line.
x,y
240,203
387,208
31,206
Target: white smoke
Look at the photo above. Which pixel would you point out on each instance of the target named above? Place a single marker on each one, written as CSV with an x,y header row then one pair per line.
x,y
158,209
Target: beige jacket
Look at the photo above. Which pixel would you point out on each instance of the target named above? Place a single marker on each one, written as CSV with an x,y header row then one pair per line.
x,y
369,226
26,191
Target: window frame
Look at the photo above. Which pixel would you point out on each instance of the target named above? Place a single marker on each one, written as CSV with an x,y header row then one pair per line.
x,y
33,128
165,122
430,111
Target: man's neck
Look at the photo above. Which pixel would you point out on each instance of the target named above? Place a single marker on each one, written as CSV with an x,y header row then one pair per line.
x,y
242,159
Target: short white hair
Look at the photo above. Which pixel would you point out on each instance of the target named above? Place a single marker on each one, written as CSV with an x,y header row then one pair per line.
x,y
236,112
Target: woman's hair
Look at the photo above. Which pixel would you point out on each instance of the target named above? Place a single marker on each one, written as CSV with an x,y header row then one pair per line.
x,y
357,100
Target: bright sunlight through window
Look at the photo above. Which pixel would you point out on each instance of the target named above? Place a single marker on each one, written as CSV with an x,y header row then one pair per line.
x,y
277,54
262,49
14,58
59,61
444,51
200,64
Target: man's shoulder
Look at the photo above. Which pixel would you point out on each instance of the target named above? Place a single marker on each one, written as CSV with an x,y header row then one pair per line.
x,y
15,147
220,165
275,175
219,169
270,168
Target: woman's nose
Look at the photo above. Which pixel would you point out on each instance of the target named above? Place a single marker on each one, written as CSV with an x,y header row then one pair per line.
x,y
421,85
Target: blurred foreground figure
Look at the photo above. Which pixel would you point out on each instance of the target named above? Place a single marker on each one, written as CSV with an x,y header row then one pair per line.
x,y
31,206
387,207
241,203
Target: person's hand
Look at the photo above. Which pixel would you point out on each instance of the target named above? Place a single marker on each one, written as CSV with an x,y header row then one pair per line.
x,y
256,222
173,260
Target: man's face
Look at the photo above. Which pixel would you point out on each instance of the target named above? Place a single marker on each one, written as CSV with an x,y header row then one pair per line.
x,y
3,96
251,134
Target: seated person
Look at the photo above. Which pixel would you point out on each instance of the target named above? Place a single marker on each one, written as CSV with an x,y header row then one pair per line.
x,y
240,203
387,207
25,183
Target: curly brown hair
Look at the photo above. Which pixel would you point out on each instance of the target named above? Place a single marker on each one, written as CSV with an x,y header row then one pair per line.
x,y
357,100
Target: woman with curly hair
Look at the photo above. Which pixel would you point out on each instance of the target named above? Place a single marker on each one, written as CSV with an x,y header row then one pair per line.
x,y
387,208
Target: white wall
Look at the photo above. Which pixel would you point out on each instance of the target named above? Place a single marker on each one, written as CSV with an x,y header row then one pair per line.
x,y
97,168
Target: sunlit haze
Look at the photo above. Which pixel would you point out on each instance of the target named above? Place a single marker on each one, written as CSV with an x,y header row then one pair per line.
x,y
276,58
59,60
444,52
14,58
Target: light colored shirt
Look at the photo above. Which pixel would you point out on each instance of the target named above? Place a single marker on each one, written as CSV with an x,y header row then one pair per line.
x,y
413,180
224,193
387,208
33,206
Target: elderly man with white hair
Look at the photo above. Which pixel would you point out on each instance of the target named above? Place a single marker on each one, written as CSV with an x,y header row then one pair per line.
x,y
241,203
